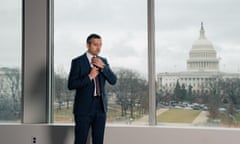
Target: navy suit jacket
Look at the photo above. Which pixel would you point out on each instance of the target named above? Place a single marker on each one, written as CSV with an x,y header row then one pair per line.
x,y
79,80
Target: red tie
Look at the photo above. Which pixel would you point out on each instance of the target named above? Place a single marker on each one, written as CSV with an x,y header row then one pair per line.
x,y
96,79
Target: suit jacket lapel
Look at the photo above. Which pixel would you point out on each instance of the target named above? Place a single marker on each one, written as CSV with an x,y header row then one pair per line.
x,y
101,79
87,64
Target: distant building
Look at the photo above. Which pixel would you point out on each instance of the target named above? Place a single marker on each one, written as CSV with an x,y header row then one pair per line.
x,y
202,56
202,67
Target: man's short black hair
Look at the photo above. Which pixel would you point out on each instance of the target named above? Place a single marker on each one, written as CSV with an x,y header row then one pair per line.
x,y
92,36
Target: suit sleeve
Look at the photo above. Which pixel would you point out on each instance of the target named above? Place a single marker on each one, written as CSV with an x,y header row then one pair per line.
x,y
75,80
108,73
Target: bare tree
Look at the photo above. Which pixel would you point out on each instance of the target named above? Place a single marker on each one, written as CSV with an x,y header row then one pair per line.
x,y
11,85
131,92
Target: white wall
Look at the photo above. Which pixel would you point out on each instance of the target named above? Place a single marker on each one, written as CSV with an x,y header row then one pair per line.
x,y
63,134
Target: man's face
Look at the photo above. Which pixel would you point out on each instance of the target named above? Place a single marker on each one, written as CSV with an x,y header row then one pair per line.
x,y
95,46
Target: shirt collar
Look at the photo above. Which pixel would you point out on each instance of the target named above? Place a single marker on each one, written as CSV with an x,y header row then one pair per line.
x,y
90,56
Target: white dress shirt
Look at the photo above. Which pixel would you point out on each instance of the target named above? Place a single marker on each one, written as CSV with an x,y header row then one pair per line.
x,y
90,56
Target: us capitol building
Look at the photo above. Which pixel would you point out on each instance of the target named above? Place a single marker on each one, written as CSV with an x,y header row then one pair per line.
x,y
202,68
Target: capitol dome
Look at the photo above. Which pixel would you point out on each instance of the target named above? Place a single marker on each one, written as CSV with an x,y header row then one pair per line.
x,y
202,43
202,56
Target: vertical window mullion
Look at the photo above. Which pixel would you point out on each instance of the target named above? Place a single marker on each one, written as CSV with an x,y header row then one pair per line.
x,y
151,63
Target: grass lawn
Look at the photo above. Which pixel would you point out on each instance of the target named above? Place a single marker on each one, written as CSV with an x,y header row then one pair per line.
x,y
63,115
178,116
237,116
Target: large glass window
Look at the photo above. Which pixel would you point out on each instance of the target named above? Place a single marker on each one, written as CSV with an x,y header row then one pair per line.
x,y
10,61
197,62
123,27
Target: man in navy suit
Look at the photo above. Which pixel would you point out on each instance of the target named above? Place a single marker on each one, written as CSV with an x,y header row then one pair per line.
x,y
88,75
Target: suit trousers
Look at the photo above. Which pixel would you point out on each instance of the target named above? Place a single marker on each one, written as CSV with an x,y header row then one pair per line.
x,y
96,119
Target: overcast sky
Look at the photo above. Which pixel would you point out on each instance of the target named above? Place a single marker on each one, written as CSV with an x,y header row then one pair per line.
x,y
10,33
123,26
